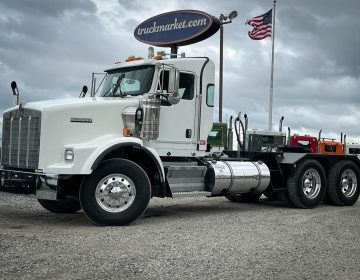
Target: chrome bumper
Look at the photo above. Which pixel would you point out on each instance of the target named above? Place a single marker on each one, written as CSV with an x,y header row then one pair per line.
x,y
37,185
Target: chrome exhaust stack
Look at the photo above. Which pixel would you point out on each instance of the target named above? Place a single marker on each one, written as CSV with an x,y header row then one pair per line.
x,y
245,129
280,123
246,122
319,139
230,134
289,131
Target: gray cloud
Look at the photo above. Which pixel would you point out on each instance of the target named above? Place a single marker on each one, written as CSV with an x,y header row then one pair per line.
x,y
49,8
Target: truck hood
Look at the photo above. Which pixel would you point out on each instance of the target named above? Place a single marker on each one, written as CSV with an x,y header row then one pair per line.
x,y
74,122
74,104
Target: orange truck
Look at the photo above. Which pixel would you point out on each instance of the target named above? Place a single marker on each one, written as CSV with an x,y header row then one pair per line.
x,y
319,145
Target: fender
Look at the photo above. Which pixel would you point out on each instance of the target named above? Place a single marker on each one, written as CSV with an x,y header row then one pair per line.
x,y
150,152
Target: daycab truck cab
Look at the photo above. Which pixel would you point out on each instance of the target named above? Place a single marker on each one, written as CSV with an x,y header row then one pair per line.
x,y
145,135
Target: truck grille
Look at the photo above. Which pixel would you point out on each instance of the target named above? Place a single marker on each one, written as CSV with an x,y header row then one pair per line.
x,y
21,139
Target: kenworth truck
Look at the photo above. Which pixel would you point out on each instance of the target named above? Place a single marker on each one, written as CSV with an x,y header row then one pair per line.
x,y
145,135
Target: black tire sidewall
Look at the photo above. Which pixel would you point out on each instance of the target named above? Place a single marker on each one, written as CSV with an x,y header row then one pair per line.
x,y
245,197
303,168
60,206
285,199
115,166
347,201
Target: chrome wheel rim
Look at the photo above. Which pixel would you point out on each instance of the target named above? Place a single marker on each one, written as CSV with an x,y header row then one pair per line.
x,y
115,193
348,183
311,183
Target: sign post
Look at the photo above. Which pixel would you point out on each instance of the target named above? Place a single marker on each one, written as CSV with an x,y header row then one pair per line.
x,y
223,20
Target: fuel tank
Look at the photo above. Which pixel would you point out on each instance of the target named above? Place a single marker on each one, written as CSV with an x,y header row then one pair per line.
x,y
237,177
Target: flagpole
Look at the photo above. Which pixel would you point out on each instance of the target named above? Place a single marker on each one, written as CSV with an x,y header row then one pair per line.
x,y
272,67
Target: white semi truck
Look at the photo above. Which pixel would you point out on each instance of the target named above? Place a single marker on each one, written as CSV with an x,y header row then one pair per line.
x,y
145,135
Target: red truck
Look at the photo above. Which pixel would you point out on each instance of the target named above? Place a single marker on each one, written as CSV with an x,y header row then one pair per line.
x,y
319,145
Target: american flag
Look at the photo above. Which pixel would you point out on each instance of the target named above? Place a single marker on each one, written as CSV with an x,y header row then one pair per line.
x,y
262,26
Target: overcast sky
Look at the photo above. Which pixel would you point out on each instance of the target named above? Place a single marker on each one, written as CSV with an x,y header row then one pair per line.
x,y
50,48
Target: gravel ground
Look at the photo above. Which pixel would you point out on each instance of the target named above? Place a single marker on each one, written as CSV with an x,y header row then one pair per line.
x,y
182,238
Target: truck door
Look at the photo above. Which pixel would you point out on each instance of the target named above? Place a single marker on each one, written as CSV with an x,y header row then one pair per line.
x,y
177,122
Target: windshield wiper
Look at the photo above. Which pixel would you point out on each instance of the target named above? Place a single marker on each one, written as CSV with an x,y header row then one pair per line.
x,y
109,90
114,87
117,85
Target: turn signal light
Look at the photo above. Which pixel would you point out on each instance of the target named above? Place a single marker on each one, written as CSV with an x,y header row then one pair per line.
x,y
126,132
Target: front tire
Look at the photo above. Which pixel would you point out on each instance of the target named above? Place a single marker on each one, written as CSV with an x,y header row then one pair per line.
x,y
60,206
343,180
117,193
307,186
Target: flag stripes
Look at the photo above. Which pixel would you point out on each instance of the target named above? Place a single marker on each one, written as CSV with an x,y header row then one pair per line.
x,y
262,26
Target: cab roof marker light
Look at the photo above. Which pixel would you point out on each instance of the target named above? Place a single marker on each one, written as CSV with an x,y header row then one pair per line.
x,y
133,58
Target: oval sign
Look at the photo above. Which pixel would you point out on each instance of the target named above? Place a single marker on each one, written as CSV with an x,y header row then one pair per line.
x,y
177,28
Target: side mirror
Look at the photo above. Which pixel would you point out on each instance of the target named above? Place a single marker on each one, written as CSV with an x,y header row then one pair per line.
x,y
174,79
13,87
15,91
84,91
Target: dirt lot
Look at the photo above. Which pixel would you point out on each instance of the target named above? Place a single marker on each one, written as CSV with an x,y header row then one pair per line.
x,y
184,238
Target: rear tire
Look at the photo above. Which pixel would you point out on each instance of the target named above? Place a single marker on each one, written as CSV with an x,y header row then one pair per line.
x,y
285,199
327,200
117,193
60,206
244,197
343,180
307,186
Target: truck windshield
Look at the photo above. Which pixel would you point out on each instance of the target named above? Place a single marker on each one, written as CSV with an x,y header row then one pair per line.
x,y
128,81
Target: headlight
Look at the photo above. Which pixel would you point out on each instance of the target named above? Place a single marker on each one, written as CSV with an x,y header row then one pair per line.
x,y
69,155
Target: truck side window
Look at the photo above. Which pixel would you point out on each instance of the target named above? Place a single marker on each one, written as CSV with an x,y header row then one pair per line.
x,y
186,86
304,143
164,80
330,148
354,151
210,95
